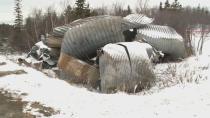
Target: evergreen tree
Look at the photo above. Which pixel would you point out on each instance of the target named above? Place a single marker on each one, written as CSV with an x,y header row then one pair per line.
x,y
67,13
82,9
176,5
87,10
126,11
161,6
198,9
167,4
18,15
129,11
19,38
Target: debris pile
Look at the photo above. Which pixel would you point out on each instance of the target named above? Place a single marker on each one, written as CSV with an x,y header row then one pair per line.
x,y
109,52
44,55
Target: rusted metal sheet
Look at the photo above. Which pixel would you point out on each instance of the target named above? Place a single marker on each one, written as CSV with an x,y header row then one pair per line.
x,y
54,42
164,39
77,71
125,65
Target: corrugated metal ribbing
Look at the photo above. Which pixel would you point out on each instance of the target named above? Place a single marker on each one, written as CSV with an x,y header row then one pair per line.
x,y
163,38
116,72
82,40
59,31
139,18
86,20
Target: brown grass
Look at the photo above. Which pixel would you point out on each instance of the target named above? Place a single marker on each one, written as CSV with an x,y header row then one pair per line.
x,y
16,72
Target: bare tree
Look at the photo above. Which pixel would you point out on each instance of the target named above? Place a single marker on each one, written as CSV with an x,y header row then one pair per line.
x,y
103,10
117,9
142,6
205,30
37,15
50,12
66,5
188,40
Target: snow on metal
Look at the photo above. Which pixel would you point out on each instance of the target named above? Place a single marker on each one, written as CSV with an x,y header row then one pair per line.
x,y
87,35
41,45
139,18
164,39
125,65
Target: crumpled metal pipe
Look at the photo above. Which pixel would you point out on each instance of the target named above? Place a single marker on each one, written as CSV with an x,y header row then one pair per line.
x,y
120,72
83,39
163,38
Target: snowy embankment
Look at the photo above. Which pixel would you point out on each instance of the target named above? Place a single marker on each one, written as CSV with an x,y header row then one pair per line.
x,y
173,99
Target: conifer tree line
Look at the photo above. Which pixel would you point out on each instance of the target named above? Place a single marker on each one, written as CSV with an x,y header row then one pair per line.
x,y
18,15
39,22
170,6
175,15
18,36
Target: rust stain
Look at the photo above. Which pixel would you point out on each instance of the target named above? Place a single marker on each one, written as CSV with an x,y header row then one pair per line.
x,y
54,42
79,70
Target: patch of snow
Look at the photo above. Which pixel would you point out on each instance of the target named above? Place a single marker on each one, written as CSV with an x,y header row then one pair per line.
x,y
195,41
41,45
182,100
206,49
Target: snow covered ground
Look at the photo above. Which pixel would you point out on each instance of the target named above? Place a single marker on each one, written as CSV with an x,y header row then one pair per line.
x,y
182,95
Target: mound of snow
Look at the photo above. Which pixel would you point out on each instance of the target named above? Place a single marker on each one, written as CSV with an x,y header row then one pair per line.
x,y
182,100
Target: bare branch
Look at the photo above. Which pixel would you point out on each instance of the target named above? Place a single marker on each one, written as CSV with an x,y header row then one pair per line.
x,y
142,6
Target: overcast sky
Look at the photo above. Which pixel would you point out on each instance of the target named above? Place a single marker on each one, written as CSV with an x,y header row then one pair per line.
x,y
7,12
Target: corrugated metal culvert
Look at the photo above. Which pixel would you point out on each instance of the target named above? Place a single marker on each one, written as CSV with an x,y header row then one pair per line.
x,y
124,66
87,35
139,18
60,31
164,39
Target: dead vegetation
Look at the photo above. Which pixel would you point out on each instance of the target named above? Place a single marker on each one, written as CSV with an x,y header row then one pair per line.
x,y
46,111
2,63
12,107
16,72
37,66
142,78
171,75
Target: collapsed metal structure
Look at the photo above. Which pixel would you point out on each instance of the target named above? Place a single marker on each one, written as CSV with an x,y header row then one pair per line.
x,y
80,40
125,65
87,35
